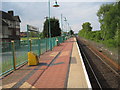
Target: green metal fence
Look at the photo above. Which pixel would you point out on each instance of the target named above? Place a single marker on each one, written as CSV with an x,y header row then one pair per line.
x,y
7,57
21,49
14,53
35,46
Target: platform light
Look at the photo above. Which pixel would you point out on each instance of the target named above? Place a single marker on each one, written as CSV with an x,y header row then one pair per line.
x,y
56,4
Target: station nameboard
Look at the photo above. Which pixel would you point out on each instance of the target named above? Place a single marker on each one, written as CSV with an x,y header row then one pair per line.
x,y
32,28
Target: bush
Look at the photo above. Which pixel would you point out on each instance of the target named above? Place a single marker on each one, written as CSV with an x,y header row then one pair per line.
x,y
110,43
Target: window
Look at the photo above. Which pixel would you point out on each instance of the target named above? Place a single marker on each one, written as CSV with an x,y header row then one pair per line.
x,y
10,32
17,25
17,33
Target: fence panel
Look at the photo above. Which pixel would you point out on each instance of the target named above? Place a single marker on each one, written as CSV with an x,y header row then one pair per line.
x,y
47,44
38,46
43,46
34,46
54,42
59,41
7,58
21,51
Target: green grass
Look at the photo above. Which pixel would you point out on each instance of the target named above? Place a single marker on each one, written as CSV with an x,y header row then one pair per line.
x,y
21,59
7,65
25,38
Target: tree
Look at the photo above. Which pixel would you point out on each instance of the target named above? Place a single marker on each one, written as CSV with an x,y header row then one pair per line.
x,y
85,31
54,27
33,34
71,32
81,33
117,35
109,18
87,26
108,15
41,35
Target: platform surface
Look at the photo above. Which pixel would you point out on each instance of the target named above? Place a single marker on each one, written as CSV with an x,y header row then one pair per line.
x,y
77,77
59,68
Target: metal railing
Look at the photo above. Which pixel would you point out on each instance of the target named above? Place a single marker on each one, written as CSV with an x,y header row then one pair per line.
x,y
15,53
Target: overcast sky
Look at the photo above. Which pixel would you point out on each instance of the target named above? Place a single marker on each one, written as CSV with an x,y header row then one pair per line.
x,y
34,13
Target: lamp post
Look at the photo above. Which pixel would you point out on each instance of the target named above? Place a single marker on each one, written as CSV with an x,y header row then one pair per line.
x,y
55,5
66,24
69,28
49,20
61,24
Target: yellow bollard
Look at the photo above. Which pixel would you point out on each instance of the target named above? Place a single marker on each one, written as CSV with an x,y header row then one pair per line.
x,y
32,59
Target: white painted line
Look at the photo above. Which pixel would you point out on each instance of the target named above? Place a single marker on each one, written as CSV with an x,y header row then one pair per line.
x,y
84,69
104,62
10,85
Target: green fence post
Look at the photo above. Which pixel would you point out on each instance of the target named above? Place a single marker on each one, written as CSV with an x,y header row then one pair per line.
x,y
62,39
54,41
29,45
50,41
39,48
58,40
14,57
46,44
51,44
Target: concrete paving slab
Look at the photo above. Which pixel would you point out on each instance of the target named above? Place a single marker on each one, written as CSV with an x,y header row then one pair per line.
x,y
76,78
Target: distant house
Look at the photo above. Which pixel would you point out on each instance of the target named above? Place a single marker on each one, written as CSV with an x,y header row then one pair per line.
x,y
23,34
10,26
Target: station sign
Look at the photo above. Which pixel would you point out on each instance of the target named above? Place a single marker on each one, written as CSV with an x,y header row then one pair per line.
x,y
32,28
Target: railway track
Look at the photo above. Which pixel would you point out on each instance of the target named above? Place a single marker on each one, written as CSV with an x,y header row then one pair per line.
x,y
101,75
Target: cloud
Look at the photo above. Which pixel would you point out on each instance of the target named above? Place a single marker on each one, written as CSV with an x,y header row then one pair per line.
x,y
60,0
29,12
78,13
34,13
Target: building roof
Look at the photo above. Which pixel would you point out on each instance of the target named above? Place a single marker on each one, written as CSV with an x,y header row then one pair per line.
x,y
17,18
9,17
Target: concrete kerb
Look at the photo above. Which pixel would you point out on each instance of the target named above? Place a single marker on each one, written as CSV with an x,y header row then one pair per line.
x,y
85,72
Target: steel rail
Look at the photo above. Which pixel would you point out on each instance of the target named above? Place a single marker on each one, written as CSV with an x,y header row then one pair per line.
x,y
90,67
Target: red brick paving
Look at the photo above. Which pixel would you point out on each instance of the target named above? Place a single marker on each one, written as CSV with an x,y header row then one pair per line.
x,y
55,76
17,75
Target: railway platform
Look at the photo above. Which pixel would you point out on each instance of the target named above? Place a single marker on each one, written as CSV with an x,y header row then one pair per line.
x,y
62,67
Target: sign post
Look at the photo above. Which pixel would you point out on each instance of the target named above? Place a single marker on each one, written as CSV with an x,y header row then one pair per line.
x,y
33,29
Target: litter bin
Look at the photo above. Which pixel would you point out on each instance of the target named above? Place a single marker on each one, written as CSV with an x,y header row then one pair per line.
x,y
32,59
